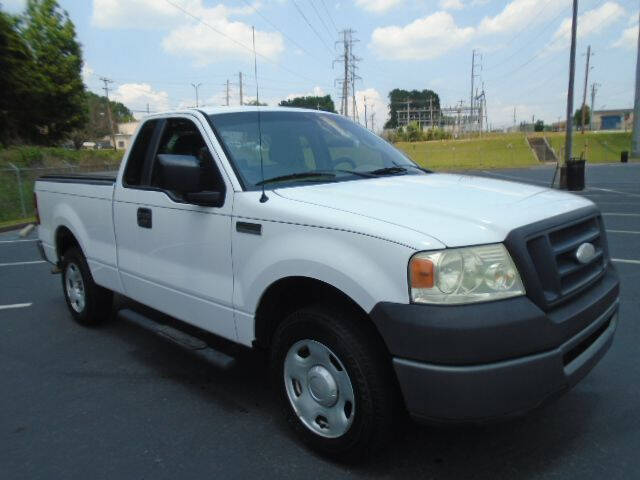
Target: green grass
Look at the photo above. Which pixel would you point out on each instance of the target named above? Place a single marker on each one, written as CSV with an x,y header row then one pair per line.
x,y
512,150
36,161
17,222
492,151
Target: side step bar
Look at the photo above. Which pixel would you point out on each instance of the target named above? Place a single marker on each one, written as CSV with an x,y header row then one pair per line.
x,y
195,345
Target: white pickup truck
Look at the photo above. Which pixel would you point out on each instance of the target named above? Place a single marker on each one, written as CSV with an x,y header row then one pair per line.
x,y
372,283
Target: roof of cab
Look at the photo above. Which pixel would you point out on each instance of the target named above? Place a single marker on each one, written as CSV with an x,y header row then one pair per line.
x,y
236,109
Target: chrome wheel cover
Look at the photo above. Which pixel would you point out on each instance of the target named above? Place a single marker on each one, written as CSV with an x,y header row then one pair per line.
x,y
75,287
319,388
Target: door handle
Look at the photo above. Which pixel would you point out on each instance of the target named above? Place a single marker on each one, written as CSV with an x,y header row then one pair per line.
x,y
144,217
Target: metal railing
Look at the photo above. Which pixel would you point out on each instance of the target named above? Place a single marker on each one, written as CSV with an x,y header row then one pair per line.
x,y
16,185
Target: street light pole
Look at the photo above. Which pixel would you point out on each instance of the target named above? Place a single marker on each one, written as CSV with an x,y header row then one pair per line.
x,y
635,138
196,88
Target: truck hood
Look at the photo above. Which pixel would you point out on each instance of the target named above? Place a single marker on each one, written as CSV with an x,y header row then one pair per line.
x,y
457,210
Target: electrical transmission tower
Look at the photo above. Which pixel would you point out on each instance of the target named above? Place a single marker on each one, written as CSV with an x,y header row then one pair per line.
x,y
347,82
474,119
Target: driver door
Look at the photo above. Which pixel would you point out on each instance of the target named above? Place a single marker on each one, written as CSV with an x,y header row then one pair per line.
x,y
183,251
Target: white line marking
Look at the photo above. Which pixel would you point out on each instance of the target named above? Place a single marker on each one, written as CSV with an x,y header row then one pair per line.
x,y
622,260
17,241
21,263
15,305
617,191
611,214
623,231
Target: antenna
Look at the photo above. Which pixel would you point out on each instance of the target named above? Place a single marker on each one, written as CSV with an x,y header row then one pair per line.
x,y
263,197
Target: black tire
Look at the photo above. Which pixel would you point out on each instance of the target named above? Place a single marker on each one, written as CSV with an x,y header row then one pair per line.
x,y
98,301
367,364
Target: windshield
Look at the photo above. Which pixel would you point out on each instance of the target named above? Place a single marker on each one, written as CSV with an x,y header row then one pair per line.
x,y
303,147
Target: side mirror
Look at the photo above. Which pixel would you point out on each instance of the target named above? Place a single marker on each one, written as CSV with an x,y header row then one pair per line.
x,y
180,173
205,198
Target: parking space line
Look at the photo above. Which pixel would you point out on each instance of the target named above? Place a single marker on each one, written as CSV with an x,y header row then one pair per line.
x,y
623,231
612,214
21,263
18,241
628,194
15,305
623,260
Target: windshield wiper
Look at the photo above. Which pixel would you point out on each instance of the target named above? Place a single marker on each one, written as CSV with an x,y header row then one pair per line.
x,y
388,171
297,176
359,174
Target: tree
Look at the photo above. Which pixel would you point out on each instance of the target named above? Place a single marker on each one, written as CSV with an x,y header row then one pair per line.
x,y
255,103
577,117
15,63
315,103
57,95
97,125
419,99
539,126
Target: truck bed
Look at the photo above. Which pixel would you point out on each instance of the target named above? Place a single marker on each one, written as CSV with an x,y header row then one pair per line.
x,y
100,178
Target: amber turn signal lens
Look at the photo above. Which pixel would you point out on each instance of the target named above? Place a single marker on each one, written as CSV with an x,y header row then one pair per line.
x,y
421,273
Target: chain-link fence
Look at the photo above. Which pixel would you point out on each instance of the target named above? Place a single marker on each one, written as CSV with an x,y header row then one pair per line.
x,y
16,185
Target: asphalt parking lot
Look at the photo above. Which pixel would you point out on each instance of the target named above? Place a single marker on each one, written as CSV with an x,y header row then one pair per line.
x,y
119,402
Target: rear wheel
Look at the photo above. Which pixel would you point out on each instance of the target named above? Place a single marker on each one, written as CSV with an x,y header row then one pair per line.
x,y
333,381
88,303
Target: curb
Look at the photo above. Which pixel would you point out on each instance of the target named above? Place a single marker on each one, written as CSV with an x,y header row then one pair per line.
x,y
18,226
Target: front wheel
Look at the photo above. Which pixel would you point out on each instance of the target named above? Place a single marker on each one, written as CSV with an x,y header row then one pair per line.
x,y
333,380
89,303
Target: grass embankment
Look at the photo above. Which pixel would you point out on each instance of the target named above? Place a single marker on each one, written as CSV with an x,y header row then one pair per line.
x,y
16,198
511,150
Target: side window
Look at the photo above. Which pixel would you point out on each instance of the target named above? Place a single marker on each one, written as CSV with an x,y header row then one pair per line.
x,y
135,163
182,137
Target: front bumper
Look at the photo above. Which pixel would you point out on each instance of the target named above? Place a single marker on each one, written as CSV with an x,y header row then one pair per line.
x,y
485,361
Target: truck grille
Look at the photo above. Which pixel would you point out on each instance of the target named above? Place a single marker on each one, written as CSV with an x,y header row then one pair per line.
x,y
554,257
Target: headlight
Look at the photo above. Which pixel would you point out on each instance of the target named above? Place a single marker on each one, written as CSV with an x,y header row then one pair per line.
x,y
464,275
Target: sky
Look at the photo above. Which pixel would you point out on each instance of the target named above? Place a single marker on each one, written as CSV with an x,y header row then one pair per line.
x,y
154,50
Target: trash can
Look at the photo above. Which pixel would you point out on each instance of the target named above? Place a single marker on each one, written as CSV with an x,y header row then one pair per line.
x,y
575,174
624,157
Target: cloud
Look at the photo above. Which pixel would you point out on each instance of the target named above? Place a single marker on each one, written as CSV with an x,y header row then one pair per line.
x,y
375,104
592,21
378,6
518,14
451,5
87,73
423,39
186,35
136,96
628,38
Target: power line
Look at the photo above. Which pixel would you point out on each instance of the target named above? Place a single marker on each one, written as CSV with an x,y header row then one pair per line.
x,y
329,15
240,44
291,39
311,26
320,18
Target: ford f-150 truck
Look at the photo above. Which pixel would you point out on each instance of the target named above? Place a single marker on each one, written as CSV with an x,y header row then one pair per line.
x,y
371,282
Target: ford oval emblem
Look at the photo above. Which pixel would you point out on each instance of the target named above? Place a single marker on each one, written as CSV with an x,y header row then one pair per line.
x,y
585,253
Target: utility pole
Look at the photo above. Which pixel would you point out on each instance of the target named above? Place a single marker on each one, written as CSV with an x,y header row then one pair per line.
x,y
473,66
227,92
373,125
106,94
568,150
514,119
635,136
366,123
148,112
240,83
196,87
584,94
594,89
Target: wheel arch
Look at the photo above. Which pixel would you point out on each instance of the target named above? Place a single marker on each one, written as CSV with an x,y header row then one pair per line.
x,y
288,294
65,239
